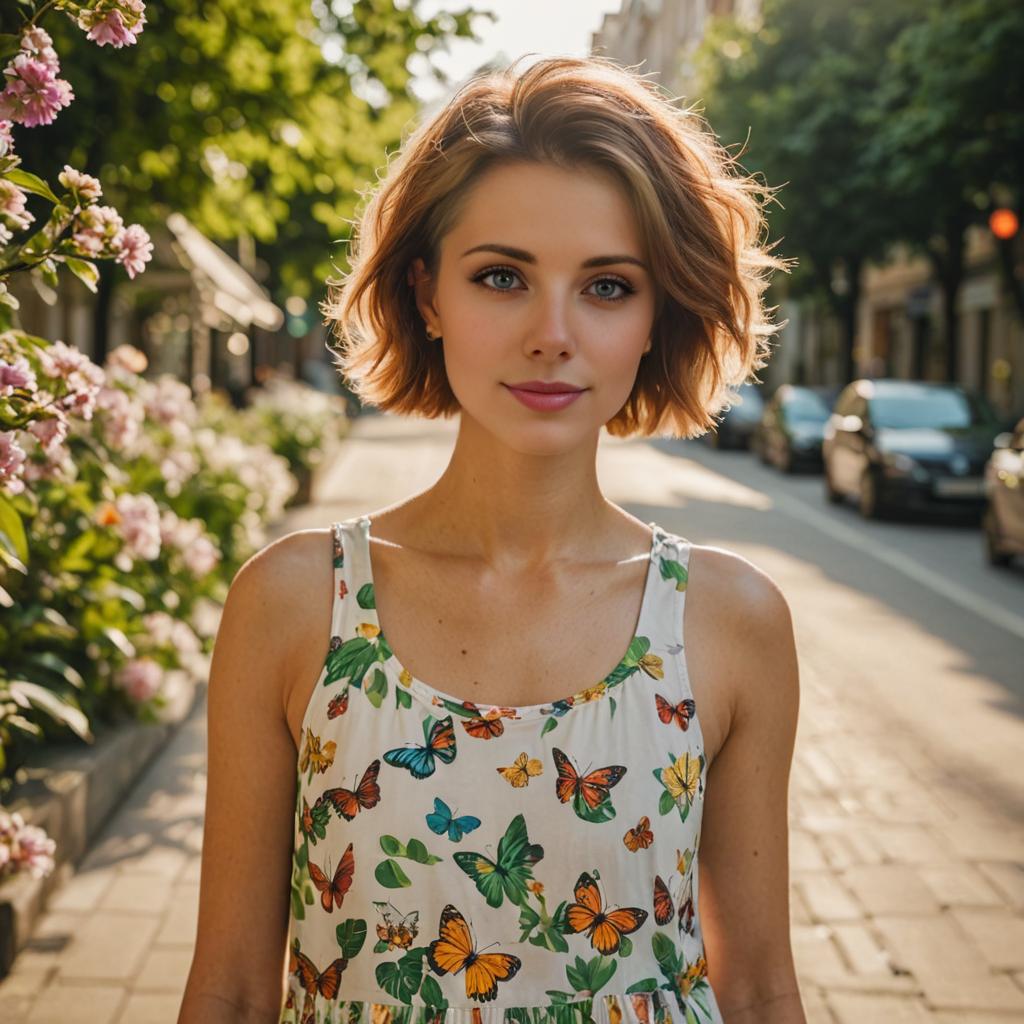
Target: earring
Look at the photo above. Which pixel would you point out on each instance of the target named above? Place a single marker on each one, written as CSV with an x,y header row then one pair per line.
x,y
432,334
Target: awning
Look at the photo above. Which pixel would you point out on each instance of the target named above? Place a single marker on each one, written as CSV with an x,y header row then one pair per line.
x,y
224,284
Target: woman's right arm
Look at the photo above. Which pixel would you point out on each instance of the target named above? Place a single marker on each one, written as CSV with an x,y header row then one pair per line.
x,y
239,964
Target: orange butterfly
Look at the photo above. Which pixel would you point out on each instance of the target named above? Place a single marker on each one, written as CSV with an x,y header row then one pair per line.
x,y
604,929
348,802
519,772
681,712
640,837
591,788
663,907
398,935
455,949
338,705
325,982
333,890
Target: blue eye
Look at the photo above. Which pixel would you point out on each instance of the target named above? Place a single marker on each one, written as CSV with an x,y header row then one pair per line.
x,y
480,277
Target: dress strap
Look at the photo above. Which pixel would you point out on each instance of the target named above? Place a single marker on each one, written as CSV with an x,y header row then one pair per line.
x,y
350,575
672,566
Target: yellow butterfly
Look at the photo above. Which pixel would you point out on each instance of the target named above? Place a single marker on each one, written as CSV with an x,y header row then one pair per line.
x,y
321,760
682,778
520,771
455,949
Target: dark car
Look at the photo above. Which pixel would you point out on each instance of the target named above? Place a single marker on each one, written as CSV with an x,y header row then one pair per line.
x,y
739,422
908,446
792,427
1003,521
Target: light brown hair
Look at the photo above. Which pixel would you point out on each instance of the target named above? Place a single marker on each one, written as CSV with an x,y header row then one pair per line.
x,y
700,219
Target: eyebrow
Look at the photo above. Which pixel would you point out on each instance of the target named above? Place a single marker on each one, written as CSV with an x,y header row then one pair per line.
x,y
528,257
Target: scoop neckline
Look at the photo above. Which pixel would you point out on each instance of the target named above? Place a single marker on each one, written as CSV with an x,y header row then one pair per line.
x,y
426,692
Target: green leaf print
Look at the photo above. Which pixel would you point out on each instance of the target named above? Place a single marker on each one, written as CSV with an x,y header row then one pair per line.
x,y
590,976
551,723
403,699
365,597
671,569
431,994
402,978
413,850
550,927
643,985
625,946
378,688
391,846
351,935
390,874
352,660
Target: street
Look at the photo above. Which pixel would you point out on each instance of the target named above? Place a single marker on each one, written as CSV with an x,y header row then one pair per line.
x,y
906,808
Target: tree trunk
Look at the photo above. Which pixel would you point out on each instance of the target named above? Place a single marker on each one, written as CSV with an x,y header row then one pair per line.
x,y
948,260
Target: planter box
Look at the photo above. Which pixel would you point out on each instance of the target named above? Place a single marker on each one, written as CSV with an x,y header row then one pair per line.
x,y
71,791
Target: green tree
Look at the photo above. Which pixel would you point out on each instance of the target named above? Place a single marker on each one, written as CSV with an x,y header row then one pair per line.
x,y
251,117
798,88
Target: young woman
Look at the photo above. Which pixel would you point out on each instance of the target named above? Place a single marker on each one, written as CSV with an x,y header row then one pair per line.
x,y
469,762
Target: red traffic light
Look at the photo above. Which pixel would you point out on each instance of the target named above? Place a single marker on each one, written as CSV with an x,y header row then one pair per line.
x,y
1003,222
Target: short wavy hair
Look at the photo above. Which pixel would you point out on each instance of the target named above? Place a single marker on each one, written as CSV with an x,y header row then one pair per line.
x,y
701,221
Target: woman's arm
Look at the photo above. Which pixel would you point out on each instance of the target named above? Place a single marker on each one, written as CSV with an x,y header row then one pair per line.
x,y
240,958
744,858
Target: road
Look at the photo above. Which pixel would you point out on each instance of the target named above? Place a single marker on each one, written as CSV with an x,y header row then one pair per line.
x,y
906,806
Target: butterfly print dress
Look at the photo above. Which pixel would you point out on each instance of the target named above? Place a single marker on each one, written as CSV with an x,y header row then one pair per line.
x,y
456,863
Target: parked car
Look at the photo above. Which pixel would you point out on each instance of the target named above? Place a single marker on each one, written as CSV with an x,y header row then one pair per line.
x,y
792,427
738,422
908,446
1003,521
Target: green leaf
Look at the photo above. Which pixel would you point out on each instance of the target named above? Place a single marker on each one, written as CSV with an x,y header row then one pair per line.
x,y
28,181
378,688
27,693
364,596
84,270
390,874
402,978
431,994
351,935
12,533
392,847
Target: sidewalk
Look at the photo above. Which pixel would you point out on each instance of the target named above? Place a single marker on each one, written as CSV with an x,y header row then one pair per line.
x,y
907,892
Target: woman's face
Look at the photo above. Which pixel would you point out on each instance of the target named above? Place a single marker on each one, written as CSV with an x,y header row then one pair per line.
x,y
516,302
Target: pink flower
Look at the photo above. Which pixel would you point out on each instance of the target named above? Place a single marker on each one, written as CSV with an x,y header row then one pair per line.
x,y
33,95
98,231
84,378
139,524
117,22
37,41
140,679
50,432
33,851
135,249
18,374
85,186
6,139
12,463
13,215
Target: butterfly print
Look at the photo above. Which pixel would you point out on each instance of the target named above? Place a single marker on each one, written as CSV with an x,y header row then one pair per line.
x,y
441,820
509,874
397,934
591,790
325,982
332,890
347,802
454,950
522,770
605,929
641,837
681,713
420,760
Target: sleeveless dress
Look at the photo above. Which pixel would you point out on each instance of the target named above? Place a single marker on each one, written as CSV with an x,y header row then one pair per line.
x,y
456,863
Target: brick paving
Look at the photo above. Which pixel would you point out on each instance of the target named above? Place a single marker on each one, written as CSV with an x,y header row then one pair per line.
x,y
907,877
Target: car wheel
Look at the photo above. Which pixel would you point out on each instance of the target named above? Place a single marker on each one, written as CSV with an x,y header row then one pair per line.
x,y
832,496
993,552
867,497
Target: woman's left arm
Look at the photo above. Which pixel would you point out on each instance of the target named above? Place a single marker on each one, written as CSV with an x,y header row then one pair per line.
x,y
744,845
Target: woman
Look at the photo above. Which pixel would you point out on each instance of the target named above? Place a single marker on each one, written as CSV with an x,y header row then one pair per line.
x,y
471,733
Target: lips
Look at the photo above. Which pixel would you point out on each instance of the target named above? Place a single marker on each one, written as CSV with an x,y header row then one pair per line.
x,y
541,387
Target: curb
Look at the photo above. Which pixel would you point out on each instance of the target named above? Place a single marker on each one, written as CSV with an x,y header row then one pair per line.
x,y
71,792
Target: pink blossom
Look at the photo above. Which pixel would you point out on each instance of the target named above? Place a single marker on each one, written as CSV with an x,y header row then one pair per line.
x,y
122,418
83,377
140,679
18,374
134,249
6,139
33,851
50,432
13,215
85,186
128,357
12,463
139,525
117,22
98,231
33,95
37,41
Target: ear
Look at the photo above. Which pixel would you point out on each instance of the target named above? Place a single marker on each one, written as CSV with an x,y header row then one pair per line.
x,y
425,287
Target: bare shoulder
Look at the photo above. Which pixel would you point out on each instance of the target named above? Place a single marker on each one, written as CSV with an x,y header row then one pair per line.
x,y
285,592
744,621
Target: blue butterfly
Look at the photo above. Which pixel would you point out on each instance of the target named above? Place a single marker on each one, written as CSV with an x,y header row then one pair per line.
x,y
420,759
440,819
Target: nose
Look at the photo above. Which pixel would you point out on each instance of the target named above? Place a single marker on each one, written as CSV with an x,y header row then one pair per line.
x,y
550,332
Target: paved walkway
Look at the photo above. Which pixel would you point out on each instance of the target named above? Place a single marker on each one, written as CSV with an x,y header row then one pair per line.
x,y
907,874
